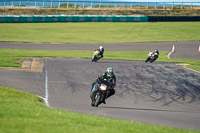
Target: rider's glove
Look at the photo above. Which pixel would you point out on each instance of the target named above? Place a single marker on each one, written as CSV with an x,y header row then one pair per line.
x,y
98,79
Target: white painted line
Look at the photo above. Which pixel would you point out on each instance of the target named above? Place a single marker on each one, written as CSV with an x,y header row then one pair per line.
x,y
173,50
46,86
168,56
41,97
189,69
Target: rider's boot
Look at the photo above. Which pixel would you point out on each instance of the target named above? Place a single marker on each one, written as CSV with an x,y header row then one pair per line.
x,y
103,101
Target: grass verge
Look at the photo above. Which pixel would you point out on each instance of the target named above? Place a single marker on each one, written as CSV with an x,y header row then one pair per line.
x,y
25,113
104,32
8,57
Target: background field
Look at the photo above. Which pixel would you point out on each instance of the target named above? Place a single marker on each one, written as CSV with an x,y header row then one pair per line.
x,y
99,32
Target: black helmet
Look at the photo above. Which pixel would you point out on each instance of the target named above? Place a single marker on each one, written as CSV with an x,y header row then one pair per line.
x,y
156,50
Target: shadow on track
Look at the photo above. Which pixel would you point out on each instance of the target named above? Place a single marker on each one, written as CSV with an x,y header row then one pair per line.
x,y
109,62
142,109
164,84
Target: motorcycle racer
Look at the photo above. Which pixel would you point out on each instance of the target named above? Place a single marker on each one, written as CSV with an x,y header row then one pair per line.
x,y
108,76
155,52
101,51
152,56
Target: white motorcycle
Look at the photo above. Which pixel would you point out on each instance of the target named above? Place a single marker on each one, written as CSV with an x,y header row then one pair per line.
x,y
95,56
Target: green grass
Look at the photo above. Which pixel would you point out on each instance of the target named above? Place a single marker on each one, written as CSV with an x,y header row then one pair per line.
x,y
93,32
21,112
8,57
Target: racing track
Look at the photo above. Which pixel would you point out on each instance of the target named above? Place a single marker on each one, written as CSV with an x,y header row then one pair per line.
x,y
157,93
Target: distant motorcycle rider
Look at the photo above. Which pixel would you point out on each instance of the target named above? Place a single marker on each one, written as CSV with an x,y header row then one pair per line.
x,y
152,56
101,51
156,52
111,78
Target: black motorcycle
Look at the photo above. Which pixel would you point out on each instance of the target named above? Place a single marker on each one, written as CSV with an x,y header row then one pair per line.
x,y
101,88
151,57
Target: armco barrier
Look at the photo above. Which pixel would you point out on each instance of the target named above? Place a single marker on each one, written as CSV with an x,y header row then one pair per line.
x,y
71,18
92,18
172,18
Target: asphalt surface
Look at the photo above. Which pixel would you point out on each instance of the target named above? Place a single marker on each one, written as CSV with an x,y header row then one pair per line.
x,y
157,93
187,50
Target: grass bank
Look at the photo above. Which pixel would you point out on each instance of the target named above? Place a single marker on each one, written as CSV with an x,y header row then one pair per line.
x,y
93,32
25,113
13,57
104,10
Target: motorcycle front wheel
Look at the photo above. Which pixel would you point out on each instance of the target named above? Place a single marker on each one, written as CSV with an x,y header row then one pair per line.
x,y
94,59
148,59
97,101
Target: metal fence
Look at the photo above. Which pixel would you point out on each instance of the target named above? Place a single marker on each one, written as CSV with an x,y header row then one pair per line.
x,y
99,5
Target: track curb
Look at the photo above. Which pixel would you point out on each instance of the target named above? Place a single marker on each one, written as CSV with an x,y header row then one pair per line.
x,y
30,64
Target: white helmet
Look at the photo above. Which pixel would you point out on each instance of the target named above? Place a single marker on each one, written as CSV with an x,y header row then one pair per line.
x,y
110,72
101,48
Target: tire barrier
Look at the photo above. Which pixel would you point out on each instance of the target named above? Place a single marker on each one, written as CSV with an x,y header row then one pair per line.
x,y
172,18
71,18
92,18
